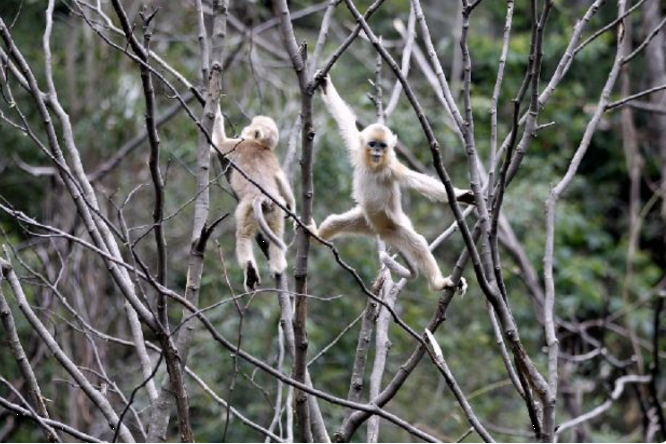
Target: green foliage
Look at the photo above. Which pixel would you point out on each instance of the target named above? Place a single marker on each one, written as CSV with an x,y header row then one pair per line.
x,y
107,108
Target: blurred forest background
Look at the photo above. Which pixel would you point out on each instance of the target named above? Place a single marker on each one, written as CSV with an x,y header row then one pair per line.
x,y
609,233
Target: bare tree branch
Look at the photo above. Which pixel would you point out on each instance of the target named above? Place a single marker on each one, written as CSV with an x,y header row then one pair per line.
x,y
93,394
620,383
23,363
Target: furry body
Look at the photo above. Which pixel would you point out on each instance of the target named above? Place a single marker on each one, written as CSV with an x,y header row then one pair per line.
x,y
377,180
253,154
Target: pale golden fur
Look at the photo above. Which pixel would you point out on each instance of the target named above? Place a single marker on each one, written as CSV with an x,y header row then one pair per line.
x,y
254,154
378,176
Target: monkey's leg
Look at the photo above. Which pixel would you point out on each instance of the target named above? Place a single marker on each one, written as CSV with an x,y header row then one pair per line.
x,y
415,249
351,222
277,260
408,273
246,226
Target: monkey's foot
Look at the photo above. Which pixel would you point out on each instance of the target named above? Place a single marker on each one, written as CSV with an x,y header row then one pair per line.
x,y
312,226
252,278
467,197
277,263
461,288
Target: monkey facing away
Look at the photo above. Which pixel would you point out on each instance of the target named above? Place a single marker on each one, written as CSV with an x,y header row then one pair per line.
x,y
378,176
254,153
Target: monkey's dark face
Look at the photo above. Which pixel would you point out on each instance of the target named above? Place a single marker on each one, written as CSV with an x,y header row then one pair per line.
x,y
377,150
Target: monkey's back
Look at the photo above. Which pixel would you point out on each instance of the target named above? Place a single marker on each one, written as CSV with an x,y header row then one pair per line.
x,y
260,163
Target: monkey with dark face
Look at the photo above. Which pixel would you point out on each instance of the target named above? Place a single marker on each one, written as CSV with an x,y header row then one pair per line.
x,y
378,176
254,154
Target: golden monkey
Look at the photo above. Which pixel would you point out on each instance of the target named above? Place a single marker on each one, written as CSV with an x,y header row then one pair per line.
x,y
378,176
254,153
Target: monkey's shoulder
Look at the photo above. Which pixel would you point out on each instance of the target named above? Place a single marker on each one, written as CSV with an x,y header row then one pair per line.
x,y
257,161
253,153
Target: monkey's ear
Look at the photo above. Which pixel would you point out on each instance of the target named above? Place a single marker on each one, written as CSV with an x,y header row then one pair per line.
x,y
393,139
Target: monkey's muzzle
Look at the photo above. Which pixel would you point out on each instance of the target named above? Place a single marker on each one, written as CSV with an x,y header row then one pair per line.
x,y
377,149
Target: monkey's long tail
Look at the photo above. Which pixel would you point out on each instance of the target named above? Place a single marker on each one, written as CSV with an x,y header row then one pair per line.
x,y
265,229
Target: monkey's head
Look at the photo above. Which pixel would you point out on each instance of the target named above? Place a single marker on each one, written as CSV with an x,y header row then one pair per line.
x,y
377,142
264,130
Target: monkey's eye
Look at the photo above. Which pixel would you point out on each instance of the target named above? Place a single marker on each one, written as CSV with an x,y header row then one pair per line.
x,y
382,145
372,144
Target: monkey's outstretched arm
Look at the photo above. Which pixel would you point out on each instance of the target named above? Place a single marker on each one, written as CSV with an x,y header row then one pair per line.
x,y
285,190
341,112
428,186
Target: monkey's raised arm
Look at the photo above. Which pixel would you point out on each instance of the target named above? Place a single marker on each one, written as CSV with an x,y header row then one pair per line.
x,y
428,186
285,190
341,112
219,135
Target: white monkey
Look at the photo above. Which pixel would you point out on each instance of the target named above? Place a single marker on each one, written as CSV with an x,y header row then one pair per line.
x,y
254,154
378,176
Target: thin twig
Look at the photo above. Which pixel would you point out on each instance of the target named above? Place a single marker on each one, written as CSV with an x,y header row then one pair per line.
x,y
14,342
626,100
620,383
551,201
18,410
91,392
455,388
